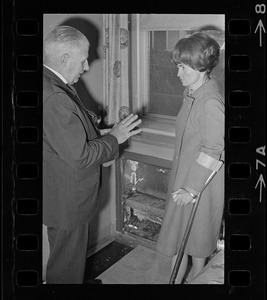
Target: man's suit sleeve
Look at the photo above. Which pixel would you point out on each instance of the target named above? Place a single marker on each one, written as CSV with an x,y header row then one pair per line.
x,y
66,135
211,146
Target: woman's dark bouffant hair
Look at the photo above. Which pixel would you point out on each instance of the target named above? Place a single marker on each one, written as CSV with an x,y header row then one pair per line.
x,y
199,51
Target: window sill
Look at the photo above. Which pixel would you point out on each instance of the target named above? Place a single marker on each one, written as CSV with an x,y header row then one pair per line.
x,y
158,131
159,124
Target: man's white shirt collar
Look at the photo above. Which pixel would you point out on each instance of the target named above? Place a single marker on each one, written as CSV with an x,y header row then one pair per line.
x,y
58,74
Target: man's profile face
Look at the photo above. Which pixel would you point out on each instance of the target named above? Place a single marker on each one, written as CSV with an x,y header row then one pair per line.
x,y
77,63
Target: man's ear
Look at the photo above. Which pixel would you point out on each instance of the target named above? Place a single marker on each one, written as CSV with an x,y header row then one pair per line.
x,y
64,59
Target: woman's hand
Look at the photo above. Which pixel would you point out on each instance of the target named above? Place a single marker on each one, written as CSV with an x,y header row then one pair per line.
x,y
182,197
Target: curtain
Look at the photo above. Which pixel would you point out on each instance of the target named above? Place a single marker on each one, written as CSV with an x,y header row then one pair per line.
x,y
116,77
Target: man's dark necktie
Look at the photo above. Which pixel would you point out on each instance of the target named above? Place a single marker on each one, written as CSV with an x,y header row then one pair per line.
x,y
91,115
73,90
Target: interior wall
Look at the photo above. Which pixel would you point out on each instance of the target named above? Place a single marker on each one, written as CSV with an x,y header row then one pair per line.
x,y
90,90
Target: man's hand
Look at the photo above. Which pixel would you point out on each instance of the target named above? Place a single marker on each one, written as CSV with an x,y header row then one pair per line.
x,y
104,131
123,130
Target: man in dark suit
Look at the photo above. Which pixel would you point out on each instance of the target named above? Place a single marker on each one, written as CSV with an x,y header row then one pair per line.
x,y
73,152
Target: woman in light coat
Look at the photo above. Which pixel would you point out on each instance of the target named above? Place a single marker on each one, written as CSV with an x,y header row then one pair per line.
x,y
199,147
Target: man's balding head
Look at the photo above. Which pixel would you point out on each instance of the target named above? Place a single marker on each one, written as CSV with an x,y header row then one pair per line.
x,y
66,51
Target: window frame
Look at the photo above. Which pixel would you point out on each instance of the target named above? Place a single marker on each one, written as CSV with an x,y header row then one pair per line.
x,y
152,124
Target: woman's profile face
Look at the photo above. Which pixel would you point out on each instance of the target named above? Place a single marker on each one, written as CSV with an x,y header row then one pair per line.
x,y
187,75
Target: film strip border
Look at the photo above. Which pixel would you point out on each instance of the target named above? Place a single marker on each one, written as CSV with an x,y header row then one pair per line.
x,y
245,156
245,151
27,156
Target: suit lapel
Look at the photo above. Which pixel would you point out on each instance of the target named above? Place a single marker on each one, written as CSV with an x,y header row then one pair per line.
x,y
84,110
71,92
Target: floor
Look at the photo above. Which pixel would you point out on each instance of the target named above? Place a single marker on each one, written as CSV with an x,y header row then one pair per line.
x,y
140,266
121,264
105,258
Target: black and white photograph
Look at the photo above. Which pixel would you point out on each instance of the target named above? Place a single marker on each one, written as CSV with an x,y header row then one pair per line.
x,y
133,149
